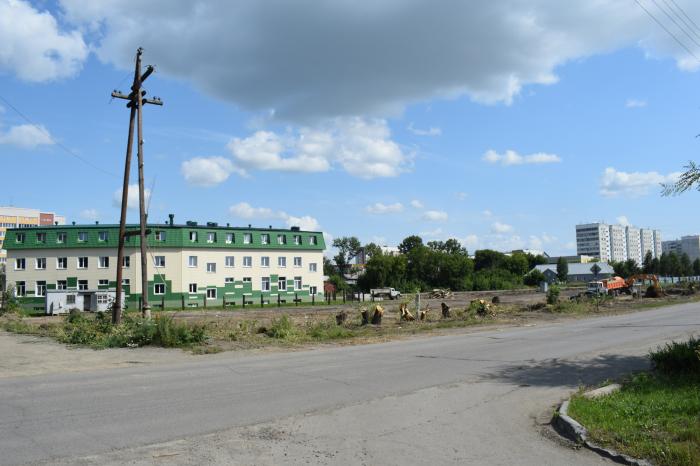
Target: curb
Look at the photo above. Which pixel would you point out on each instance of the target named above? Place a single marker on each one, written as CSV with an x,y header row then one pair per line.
x,y
568,427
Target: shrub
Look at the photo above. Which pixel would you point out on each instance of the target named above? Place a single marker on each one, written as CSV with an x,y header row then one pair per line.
x,y
495,300
678,357
553,295
282,328
328,330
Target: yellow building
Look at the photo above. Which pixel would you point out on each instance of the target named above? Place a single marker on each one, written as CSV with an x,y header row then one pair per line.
x,y
17,217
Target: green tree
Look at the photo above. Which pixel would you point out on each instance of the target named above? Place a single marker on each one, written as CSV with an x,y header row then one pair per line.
x,y
631,268
655,267
534,278
371,250
648,263
562,269
595,270
384,270
329,267
518,264
488,259
690,177
696,267
348,248
686,267
409,243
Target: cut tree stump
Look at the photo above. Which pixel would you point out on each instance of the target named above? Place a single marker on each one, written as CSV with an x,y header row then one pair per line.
x,y
405,313
377,315
445,311
365,316
341,317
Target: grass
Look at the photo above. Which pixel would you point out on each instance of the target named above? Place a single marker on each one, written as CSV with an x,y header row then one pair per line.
x,y
656,415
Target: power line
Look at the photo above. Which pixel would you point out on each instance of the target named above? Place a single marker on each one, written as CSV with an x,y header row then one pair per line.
x,y
690,52
57,143
692,39
686,15
678,15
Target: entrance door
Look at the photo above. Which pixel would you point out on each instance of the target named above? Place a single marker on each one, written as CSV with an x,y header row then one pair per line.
x,y
87,302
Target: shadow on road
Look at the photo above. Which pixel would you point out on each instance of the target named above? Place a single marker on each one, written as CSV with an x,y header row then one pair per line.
x,y
572,373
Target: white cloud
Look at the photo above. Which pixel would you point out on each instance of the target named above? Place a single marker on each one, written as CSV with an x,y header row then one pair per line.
x,y
511,157
247,211
435,215
90,214
431,234
461,196
206,171
500,228
33,48
380,208
416,204
361,147
635,103
26,136
622,220
132,201
432,131
308,70
632,184
470,242
487,213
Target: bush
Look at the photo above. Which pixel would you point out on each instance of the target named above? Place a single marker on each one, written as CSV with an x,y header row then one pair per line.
x,y
495,300
553,295
282,328
678,357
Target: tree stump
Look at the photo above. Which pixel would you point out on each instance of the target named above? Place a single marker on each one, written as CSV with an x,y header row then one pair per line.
x,y
405,313
377,315
341,317
423,315
365,316
445,311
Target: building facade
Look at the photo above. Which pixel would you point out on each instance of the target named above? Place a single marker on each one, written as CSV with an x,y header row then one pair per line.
x,y
190,264
687,244
634,244
17,217
593,239
617,242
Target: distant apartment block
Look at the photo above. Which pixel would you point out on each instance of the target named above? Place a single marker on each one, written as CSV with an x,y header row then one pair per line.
x,y
687,244
17,217
617,242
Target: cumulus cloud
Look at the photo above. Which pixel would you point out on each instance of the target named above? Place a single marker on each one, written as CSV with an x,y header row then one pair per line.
x,y
635,103
500,228
90,214
416,204
432,131
510,157
207,171
461,196
435,215
132,201
247,211
26,136
308,69
632,184
361,147
380,208
622,220
33,46
487,213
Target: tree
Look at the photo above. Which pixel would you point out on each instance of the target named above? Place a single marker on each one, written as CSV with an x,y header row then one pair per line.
x,y
371,250
348,249
690,177
488,259
647,264
631,268
595,270
686,267
696,267
534,278
451,246
409,243
329,267
562,269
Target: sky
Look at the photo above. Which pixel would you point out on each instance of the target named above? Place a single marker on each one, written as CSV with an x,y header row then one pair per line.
x,y
501,124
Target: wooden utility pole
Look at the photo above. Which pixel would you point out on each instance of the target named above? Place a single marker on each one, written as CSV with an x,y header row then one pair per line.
x,y
136,101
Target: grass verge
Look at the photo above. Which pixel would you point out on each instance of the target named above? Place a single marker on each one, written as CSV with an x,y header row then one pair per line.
x,y
656,415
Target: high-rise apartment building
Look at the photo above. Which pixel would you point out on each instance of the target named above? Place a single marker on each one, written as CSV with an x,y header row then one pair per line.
x,y
617,242
634,244
593,239
687,244
17,217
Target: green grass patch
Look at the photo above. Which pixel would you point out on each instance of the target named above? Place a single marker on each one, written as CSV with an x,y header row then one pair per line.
x,y
656,415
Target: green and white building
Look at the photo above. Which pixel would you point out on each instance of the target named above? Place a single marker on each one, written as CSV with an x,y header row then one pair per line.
x,y
204,265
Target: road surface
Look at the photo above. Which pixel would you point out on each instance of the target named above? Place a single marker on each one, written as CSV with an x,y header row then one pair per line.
x,y
474,398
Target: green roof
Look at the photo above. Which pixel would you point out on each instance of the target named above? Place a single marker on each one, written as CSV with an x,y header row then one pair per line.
x,y
176,236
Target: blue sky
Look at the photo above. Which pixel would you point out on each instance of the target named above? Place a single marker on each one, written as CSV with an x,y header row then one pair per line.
x,y
366,133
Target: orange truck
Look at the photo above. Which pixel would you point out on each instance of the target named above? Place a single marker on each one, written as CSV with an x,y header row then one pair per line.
x,y
610,286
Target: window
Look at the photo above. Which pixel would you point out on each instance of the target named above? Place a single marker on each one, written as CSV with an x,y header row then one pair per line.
x,y
281,261
313,240
20,289
297,261
229,261
102,282
41,237
264,261
313,290
102,236
126,282
211,237
159,288
40,263
297,239
102,298
282,284
192,261
70,299
211,267
229,238
247,238
61,263
40,289
193,288
312,266
126,262
82,236
211,293
61,237
247,280
265,284
82,285
104,262
247,261
228,280
160,236
20,263
19,239
159,261
297,283
281,239
61,285
265,238
193,236
82,262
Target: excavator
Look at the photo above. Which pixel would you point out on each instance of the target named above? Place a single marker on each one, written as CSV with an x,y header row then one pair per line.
x,y
616,285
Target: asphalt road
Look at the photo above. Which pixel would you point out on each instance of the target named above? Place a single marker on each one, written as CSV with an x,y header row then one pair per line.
x,y
473,398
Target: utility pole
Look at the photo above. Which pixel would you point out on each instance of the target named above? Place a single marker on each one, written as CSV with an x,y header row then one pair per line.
x,y
136,101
